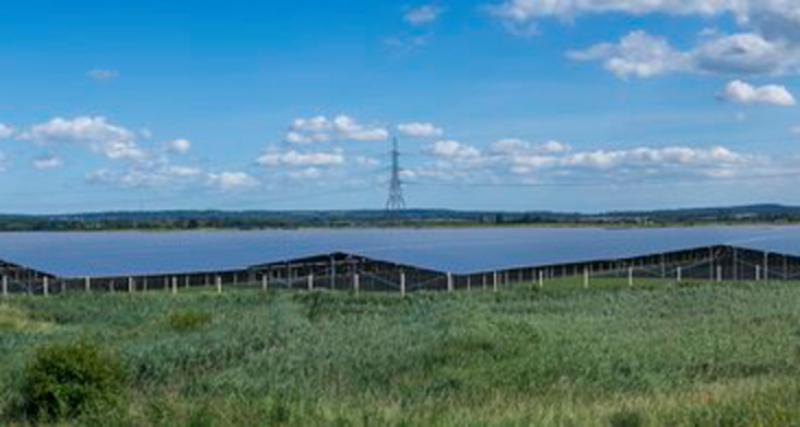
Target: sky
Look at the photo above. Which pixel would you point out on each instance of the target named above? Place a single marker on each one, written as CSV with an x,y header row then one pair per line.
x,y
567,105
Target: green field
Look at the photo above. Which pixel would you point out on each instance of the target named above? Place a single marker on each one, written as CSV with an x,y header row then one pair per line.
x,y
658,354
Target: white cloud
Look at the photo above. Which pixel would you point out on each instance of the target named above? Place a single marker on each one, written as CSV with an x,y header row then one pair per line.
x,y
231,181
297,158
367,162
6,131
347,128
102,75
513,146
743,53
80,130
180,146
453,150
642,55
95,133
124,150
519,159
339,128
310,173
655,157
422,15
48,162
637,54
766,39
752,12
420,130
741,92
150,175
182,171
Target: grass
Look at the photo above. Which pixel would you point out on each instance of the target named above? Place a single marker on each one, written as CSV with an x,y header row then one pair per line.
x,y
658,354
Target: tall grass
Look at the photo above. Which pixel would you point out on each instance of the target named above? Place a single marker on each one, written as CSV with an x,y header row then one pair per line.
x,y
690,355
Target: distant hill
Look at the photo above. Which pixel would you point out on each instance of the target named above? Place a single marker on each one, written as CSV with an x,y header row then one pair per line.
x,y
215,219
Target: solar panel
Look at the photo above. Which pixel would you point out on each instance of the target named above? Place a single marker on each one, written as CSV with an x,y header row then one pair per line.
x,y
454,250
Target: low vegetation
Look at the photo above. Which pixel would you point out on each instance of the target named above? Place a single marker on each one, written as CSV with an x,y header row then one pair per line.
x,y
705,354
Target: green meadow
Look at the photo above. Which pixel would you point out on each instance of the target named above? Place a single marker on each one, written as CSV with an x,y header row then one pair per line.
x,y
660,353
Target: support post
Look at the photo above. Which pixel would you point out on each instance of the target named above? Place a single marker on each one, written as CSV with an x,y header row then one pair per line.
x,y
403,284
311,282
711,264
175,285
265,283
131,285
87,281
450,286
541,279
219,285
758,273
494,285
484,281
333,273
766,266
586,277
5,286
46,286
630,277
469,283
680,274
719,273
356,283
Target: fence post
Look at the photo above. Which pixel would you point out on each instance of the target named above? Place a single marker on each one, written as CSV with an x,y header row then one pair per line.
x,y
356,283
630,277
766,266
131,285
484,281
5,286
719,273
46,286
174,285
469,283
311,282
87,281
187,283
403,284
494,285
265,283
541,279
758,273
450,286
586,277
219,284
680,274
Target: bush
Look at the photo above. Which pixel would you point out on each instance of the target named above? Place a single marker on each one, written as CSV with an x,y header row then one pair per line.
x,y
626,419
64,380
183,321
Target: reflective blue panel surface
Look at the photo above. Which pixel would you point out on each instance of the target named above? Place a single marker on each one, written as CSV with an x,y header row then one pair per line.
x,y
455,250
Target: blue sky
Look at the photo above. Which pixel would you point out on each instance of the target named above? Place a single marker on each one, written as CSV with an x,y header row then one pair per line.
x,y
499,104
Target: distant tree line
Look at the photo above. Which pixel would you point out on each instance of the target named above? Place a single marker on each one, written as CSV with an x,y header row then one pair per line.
x,y
251,220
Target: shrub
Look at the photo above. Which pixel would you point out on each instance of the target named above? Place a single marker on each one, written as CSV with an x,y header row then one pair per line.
x,y
183,321
64,380
626,419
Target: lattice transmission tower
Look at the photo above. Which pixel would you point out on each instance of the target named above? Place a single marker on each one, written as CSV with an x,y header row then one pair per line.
x,y
396,200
